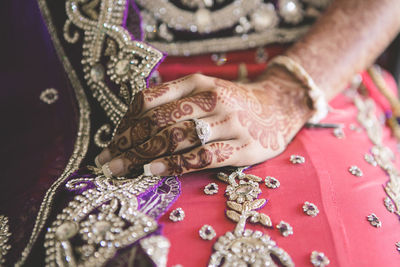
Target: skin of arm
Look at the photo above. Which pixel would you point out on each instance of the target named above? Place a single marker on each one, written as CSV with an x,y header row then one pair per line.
x,y
250,122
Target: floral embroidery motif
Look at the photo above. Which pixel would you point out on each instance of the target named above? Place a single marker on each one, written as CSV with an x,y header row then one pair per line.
x,y
244,247
310,209
4,236
157,248
272,182
211,189
177,215
207,232
99,221
285,229
49,96
374,220
296,159
355,171
318,259
244,191
129,67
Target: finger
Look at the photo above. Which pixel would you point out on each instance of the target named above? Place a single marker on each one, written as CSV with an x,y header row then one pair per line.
x,y
199,105
162,94
212,155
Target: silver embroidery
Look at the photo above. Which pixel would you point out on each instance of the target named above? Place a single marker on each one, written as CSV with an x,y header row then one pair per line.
x,y
207,232
272,182
103,136
389,204
211,189
131,66
103,218
318,259
4,236
177,215
244,247
355,171
297,159
285,229
310,209
157,247
374,220
49,96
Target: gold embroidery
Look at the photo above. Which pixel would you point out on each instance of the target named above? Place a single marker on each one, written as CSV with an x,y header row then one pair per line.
x,y
382,154
132,65
4,235
99,221
244,246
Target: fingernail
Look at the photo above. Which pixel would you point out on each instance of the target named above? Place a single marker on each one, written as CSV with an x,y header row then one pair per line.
x,y
154,168
114,168
102,158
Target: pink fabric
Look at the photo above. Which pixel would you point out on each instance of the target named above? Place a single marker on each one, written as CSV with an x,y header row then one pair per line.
x,y
341,230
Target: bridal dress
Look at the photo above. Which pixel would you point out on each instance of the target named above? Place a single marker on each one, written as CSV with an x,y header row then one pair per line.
x,y
69,69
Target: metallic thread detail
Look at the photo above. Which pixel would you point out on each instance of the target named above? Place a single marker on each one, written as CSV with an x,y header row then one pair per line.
x,y
296,159
259,247
356,171
272,182
207,232
389,204
4,236
383,155
285,229
177,215
157,248
374,220
49,96
370,159
98,221
310,209
318,259
100,137
211,189
81,143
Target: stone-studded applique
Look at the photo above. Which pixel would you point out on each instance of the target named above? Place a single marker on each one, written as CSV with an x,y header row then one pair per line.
x,y
130,62
245,247
4,236
103,218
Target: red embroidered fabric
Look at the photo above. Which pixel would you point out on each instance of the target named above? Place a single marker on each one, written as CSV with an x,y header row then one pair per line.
x,y
340,230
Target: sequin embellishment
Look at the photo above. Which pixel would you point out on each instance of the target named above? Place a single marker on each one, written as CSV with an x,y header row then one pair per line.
x,y
318,259
211,189
49,96
310,209
285,229
207,232
177,215
272,182
296,159
355,171
374,220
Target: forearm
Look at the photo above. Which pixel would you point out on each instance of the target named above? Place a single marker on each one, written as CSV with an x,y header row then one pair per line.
x,y
346,40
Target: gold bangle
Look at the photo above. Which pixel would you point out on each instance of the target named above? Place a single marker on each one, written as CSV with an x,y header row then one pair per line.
x,y
317,96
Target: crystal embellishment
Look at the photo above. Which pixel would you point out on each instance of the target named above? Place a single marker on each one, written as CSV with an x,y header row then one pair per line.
x,y
272,182
297,159
389,204
310,209
370,159
211,189
49,96
374,220
355,171
398,246
177,215
285,229
207,232
318,259
338,132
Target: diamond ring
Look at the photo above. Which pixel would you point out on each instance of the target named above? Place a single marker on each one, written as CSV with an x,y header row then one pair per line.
x,y
203,130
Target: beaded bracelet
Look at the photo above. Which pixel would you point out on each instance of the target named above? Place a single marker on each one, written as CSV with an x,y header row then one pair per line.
x,y
320,104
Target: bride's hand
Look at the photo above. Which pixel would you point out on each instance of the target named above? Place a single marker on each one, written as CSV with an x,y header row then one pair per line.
x,y
249,123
